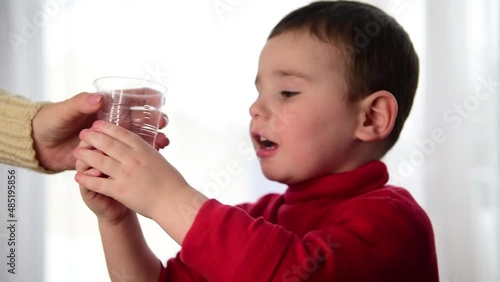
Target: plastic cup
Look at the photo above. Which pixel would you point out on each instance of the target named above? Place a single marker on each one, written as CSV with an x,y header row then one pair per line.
x,y
132,103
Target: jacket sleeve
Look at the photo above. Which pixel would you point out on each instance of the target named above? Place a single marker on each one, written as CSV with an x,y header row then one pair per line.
x,y
16,143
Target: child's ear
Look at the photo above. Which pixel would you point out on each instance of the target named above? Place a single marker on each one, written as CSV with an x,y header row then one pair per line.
x,y
377,115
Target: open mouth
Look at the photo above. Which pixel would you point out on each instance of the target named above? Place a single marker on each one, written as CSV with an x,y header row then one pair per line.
x,y
265,143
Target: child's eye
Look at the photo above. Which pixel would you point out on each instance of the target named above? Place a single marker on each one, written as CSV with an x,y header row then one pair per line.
x,y
288,94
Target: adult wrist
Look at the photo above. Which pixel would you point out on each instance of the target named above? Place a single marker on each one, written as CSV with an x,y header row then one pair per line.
x,y
16,144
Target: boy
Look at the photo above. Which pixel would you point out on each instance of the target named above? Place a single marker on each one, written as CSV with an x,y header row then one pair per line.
x,y
347,95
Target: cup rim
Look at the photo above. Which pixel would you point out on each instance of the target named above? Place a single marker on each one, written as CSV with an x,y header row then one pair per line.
x,y
162,88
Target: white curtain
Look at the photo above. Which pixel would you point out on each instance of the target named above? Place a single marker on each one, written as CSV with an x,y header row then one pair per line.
x,y
21,71
451,160
461,176
206,53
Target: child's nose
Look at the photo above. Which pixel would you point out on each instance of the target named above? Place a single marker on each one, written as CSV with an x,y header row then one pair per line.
x,y
257,108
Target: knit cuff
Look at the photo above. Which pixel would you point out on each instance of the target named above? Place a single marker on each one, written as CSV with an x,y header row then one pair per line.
x,y
16,142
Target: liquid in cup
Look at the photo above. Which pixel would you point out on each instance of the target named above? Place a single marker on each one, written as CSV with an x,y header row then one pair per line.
x,y
132,104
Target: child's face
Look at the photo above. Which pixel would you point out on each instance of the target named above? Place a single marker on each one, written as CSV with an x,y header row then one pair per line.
x,y
302,110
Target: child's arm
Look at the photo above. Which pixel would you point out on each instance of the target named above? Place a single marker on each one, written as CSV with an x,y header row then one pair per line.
x,y
128,257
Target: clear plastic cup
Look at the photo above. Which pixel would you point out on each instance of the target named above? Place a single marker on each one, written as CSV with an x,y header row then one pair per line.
x,y
132,103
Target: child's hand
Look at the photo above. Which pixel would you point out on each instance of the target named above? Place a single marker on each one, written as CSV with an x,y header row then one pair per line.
x,y
139,176
105,208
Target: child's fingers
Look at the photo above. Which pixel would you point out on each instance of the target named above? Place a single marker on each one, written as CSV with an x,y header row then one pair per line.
x,y
97,161
116,132
93,172
81,166
92,183
86,193
84,145
107,145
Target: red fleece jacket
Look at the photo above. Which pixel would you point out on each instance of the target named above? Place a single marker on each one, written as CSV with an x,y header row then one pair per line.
x,y
343,227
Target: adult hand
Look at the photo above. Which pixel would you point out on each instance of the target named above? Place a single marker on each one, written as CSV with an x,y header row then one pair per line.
x,y
56,127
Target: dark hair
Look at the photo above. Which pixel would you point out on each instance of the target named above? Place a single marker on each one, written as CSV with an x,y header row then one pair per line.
x,y
378,53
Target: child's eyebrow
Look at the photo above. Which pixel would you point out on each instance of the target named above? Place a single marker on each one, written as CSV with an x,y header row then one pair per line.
x,y
287,73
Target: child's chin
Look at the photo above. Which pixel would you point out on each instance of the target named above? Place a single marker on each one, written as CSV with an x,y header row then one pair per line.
x,y
276,176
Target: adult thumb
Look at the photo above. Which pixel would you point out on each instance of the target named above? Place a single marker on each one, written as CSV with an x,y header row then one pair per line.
x,y
83,103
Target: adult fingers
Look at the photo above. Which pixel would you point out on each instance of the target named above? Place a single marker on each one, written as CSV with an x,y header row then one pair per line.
x,y
80,104
162,141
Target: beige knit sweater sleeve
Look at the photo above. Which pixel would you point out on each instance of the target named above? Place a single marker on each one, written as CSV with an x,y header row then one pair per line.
x,y
16,143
